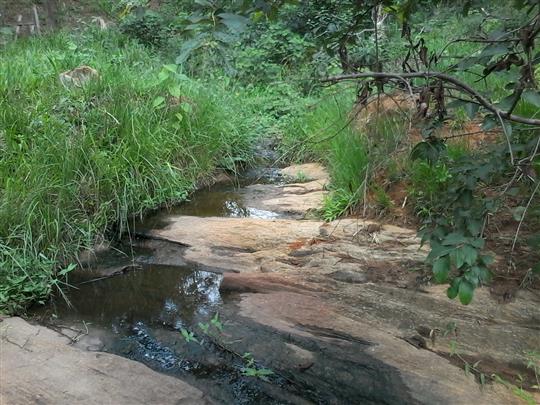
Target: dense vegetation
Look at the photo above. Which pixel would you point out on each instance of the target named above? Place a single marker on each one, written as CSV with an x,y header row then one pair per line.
x,y
187,87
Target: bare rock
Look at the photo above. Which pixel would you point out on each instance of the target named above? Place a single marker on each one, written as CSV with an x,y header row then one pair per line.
x,y
78,77
37,365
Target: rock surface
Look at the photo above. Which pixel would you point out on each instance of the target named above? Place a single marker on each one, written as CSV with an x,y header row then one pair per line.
x,y
366,280
343,310
38,366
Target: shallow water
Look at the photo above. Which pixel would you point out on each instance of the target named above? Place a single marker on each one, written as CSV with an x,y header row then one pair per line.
x,y
221,200
152,294
141,311
153,302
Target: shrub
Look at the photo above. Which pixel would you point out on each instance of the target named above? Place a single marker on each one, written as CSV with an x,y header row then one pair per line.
x,y
148,28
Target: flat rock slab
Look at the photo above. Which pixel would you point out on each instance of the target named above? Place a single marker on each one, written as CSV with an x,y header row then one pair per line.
x,y
38,366
304,192
373,273
383,368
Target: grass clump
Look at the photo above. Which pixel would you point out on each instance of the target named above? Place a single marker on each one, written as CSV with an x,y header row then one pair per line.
x,y
76,163
352,144
326,133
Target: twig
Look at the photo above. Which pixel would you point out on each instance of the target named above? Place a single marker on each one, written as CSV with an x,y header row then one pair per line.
x,y
507,136
468,134
523,217
441,76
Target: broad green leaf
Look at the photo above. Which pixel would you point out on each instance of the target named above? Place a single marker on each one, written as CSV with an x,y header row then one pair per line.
x,y
478,243
163,75
458,257
175,91
441,268
471,109
188,47
158,101
517,213
171,68
186,107
494,49
483,274
454,238
453,290
469,253
532,97
234,22
438,250
506,103
179,117
225,38
204,3
474,227
466,291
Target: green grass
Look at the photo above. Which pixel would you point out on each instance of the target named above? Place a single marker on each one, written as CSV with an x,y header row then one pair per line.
x,y
75,164
329,133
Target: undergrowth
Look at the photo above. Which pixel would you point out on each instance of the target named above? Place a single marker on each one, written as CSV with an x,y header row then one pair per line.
x,y
76,163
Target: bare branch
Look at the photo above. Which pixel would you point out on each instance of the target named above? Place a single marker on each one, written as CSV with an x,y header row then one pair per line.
x,y
484,102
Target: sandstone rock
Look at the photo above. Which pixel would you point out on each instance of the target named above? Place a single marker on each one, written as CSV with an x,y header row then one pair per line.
x,y
307,171
37,365
78,77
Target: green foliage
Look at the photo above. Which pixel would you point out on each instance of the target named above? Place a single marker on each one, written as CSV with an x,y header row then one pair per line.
x,y
188,336
533,363
267,50
251,369
25,277
382,199
76,163
452,211
148,28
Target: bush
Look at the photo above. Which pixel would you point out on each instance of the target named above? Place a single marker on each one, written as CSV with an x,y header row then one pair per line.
x,y
270,49
148,28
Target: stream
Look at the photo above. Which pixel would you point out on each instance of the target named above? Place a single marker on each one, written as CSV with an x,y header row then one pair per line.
x,y
154,307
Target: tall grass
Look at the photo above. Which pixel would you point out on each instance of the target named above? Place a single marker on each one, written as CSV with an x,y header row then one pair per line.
x,y
76,163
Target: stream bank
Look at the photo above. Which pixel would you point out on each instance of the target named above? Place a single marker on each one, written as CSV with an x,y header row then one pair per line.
x,y
338,311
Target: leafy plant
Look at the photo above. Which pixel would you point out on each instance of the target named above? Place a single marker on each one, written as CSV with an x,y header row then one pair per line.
x,y
147,27
455,230
188,336
251,369
216,322
79,163
533,363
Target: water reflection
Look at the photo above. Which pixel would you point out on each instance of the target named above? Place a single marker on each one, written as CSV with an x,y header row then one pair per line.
x,y
155,295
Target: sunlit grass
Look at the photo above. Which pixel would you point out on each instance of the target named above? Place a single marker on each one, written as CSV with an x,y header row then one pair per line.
x,y
76,163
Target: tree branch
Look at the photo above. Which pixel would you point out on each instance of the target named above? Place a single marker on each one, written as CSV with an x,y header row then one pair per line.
x,y
484,102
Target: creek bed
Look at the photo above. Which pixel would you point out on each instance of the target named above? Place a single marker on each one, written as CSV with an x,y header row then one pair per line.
x,y
158,309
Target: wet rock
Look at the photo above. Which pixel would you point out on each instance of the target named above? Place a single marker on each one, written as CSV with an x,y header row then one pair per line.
x,y
371,270
39,366
371,355
348,276
340,309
